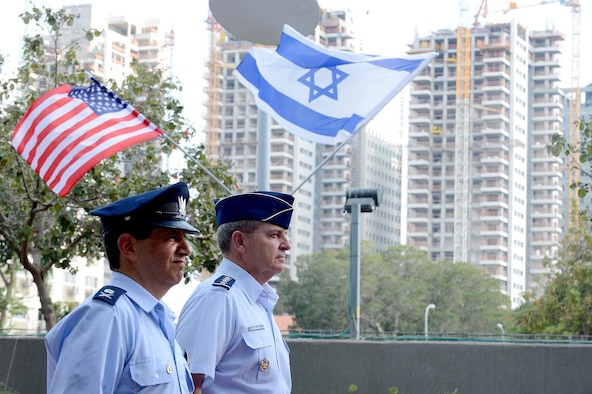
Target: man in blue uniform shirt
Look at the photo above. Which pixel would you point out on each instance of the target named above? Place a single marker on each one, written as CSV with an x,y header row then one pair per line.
x,y
122,340
226,327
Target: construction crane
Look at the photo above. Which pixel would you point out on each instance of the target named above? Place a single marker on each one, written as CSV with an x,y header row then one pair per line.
x,y
462,135
214,63
574,93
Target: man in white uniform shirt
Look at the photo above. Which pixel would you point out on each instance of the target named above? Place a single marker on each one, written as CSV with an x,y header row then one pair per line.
x,y
226,328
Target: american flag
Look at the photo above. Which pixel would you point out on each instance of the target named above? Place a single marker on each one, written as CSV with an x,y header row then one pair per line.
x,y
68,130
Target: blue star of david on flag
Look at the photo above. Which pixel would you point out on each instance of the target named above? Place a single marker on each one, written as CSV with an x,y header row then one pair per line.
x,y
320,94
329,90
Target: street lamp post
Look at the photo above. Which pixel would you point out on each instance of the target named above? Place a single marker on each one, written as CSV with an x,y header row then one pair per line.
x,y
501,327
425,326
357,201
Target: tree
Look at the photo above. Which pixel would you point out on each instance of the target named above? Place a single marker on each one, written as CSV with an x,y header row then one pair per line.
x,y
579,155
44,231
565,308
319,298
396,287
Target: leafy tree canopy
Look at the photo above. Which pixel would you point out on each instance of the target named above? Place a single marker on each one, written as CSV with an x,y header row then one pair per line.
x,y
41,230
396,287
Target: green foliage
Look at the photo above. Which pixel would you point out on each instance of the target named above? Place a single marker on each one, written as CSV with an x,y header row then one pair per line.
x,y
565,307
578,155
46,231
4,389
61,309
396,287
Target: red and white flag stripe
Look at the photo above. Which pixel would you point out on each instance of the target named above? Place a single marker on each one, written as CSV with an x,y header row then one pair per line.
x,y
69,130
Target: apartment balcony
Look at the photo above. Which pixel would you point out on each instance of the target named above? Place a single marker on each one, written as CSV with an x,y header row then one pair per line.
x,y
497,58
541,156
547,187
491,202
549,214
497,268
493,231
422,105
419,203
493,247
550,103
550,88
546,171
500,72
547,49
418,189
419,147
423,78
417,218
415,231
495,159
496,87
494,102
492,174
546,76
419,163
488,217
423,118
545,228
418,242
423,89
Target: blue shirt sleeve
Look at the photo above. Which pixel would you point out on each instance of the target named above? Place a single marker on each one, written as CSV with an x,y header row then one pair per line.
x,y
86,351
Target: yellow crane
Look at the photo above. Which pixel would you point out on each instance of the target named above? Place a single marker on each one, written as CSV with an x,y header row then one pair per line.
x,y
462,135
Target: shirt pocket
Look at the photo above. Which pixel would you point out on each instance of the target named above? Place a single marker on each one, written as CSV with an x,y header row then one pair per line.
x,y
259,360
154,372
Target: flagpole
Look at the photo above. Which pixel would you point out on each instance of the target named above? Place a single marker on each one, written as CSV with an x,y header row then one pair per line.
x,y
218,181
263,151
323,162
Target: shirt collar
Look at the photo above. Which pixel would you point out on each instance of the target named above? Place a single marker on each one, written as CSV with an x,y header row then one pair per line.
x,y
135,291
250,286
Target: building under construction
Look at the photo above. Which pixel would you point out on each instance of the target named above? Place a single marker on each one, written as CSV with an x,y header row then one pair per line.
x,y
372,159
510,197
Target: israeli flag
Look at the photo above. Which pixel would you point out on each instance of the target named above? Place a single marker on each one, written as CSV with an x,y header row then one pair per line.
x,y
324,95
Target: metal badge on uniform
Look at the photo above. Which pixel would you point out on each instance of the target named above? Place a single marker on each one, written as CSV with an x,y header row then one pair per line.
x,y
224,281
264,364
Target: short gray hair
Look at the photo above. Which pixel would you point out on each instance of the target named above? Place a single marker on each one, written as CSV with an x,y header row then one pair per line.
x,y
225,231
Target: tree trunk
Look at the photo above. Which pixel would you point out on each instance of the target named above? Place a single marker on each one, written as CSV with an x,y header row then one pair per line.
x,y
42,290
46,304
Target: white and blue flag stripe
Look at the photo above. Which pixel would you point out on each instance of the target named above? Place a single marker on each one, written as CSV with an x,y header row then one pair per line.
x,y
320,94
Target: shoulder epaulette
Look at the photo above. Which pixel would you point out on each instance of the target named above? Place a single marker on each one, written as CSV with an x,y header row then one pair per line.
x,y
224,281
109,294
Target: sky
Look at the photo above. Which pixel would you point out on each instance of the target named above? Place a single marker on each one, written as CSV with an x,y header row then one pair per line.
x,y
385,26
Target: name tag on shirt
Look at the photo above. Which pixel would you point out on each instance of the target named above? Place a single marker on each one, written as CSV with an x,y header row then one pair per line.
x,y
257,328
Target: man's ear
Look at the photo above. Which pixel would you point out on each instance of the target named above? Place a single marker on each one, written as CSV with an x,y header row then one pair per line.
x,y
126,244
238,240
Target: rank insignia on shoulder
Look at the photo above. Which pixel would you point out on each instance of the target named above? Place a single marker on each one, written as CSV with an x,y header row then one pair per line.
x,y
109,294
224,281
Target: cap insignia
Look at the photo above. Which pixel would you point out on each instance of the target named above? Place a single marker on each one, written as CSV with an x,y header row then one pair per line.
x,y
182,205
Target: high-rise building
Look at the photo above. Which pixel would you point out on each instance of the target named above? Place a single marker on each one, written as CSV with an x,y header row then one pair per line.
x,y
513,195
371,159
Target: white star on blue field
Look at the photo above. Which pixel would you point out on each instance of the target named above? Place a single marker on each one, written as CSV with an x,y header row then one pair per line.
x,y
330,90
